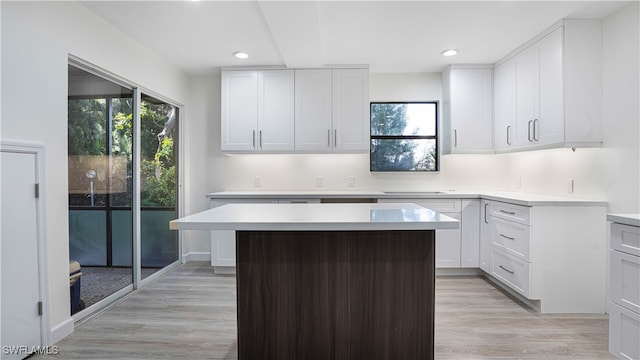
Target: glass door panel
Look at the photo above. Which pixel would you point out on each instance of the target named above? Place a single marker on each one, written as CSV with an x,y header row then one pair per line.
x,y
158,183
100,173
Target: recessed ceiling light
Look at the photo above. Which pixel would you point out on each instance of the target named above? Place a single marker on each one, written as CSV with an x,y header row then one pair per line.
x,y
449,52
240,55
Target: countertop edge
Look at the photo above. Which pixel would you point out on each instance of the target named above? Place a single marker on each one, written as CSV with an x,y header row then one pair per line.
x,y
524,199
626,219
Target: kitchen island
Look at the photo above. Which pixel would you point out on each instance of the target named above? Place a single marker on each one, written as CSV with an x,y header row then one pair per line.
x,y
328,281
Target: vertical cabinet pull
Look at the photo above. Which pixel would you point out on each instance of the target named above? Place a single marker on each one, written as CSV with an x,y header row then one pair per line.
x,y
455,138
485,213
529,130
535,130
260,138
508,134
253,139
328,138
335,138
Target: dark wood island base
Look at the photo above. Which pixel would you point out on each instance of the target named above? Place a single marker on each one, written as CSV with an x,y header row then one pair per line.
x,y
335,294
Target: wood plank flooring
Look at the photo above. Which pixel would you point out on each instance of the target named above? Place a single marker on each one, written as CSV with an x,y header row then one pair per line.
x,y
191,314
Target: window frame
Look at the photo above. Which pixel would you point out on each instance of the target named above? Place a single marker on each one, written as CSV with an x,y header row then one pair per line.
x,y
435,137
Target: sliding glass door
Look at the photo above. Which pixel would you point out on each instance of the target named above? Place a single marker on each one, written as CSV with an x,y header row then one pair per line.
x,y
123,176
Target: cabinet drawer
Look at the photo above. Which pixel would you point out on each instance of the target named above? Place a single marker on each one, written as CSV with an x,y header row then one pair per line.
x,y
511,237
511,271
625,280
624,332
518,213
625,238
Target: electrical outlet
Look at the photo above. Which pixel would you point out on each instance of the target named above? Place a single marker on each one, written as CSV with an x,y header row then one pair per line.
x,y
351,181
570,185
319,181
257,181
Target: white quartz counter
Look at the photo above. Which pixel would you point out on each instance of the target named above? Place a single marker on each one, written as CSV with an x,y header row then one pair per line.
x,y
626,219
526,199
316,217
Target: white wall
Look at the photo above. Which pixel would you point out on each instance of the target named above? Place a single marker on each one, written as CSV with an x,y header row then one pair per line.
x,y
37,38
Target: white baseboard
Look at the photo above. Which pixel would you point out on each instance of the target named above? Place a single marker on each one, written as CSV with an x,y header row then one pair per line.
x,y
196,256
458,271
61,331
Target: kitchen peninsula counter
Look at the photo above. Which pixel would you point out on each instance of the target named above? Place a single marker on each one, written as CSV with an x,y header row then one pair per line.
x,y
319,281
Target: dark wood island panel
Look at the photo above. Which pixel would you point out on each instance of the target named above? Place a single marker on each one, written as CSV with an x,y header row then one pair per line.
x,y
335,294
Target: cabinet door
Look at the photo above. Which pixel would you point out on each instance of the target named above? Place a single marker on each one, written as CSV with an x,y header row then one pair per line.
x,y
239,110
504,104
448,246
470,234
549,120
471,110
275,110
526,84
350,109
313,99
485,235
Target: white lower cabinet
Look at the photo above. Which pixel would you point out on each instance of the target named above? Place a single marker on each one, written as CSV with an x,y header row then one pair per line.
x,y
552,255
624,281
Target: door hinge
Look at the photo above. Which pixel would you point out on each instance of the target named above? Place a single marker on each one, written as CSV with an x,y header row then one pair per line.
x,y
37,190
40,308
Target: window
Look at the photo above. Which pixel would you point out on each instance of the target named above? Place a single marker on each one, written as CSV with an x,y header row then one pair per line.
x,y
404,136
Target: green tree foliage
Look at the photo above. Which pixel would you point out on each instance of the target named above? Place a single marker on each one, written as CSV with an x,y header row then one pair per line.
x,y
390,154
88,136
87,127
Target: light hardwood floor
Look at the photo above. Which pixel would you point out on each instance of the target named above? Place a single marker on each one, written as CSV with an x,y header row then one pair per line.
x,y
190,314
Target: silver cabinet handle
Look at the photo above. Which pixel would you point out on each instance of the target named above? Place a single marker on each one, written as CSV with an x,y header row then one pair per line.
x,y
260,138
335,138
535,130
507,212
253,141
455,138
508,133
507,237
505,269
485,213
328,138
529,130
299,202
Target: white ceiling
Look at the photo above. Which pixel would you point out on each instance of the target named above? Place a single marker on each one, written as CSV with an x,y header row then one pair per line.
x,y
390,36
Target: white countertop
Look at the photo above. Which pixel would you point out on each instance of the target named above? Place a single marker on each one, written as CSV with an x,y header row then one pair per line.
x,y
526,199
627,219
316,217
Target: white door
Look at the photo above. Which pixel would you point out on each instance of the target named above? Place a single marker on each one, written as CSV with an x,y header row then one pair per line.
x,y
549,123
471,109
313,110
20,254
505,104
350,109
275,110
239,102
526,84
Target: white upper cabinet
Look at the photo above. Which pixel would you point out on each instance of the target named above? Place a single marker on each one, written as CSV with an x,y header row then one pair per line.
x,y
332,112
467,111
257,110
548,93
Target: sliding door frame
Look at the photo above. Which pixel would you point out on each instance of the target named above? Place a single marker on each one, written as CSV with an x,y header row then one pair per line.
x,y
138,281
